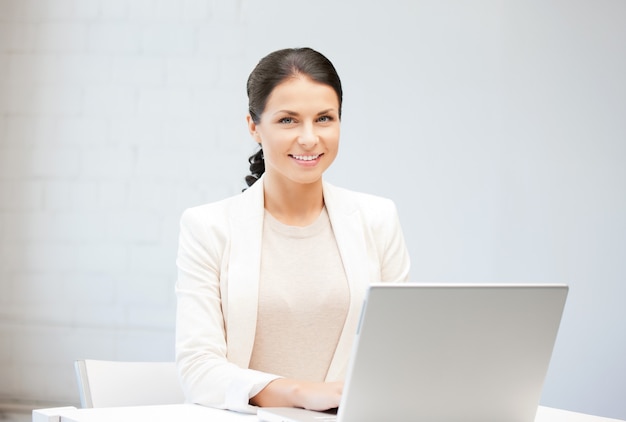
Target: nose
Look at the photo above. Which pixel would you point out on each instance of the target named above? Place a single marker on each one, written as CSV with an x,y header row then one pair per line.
x,y
307,137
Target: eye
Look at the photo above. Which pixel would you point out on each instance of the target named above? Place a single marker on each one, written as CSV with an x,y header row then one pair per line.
x,y
286,120
325,119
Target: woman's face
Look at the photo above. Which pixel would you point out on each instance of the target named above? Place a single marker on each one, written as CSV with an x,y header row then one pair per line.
x,y
298,130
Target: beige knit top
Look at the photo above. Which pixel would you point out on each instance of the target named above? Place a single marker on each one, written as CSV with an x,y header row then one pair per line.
x,y
303,300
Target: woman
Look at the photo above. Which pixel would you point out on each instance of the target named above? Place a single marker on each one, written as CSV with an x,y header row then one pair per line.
x,y
271,281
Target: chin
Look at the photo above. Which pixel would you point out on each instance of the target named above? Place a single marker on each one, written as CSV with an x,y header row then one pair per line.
x,y
308,180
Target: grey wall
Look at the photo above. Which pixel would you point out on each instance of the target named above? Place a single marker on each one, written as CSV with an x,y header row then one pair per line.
x,y
498,127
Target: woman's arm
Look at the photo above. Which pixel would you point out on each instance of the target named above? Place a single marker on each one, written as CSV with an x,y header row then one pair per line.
x,y
284,392
394,256
206,375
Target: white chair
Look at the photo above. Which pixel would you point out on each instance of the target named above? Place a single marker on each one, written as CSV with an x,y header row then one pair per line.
x,y
104,383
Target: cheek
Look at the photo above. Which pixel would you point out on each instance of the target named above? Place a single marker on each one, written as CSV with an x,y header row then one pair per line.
x,y
273,145
333,136
329,132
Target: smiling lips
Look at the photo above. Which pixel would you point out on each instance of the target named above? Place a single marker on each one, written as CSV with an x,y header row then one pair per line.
x,y
306,157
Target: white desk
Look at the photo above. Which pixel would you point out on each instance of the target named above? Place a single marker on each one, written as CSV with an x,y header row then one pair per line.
x,y
162,413
193,413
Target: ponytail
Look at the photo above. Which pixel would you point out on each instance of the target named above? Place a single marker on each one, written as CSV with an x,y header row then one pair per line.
x,y
257,167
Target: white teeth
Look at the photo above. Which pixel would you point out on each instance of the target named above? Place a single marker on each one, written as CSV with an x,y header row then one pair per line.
x,y
306,157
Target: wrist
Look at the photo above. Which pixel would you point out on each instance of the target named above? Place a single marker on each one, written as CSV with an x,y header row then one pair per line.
x,y
280,392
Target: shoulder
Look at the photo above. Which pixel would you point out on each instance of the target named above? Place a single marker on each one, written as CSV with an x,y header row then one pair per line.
x,y
218,213
210,210
365,202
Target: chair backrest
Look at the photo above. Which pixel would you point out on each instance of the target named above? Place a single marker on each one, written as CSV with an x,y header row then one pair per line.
x,y
110,383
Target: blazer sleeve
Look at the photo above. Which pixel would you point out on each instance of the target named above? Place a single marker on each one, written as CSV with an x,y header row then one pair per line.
x,y
206,375
382,225
394,256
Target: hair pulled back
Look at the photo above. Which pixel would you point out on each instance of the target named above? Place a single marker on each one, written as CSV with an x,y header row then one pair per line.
x,y
274,69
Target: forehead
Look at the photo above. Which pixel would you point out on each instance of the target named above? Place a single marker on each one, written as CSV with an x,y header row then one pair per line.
x,y
302,92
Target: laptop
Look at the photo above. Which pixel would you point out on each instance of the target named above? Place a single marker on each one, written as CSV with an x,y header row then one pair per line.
x,y
446,352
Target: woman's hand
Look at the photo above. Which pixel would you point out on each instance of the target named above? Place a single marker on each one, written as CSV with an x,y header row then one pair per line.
x,y
291,393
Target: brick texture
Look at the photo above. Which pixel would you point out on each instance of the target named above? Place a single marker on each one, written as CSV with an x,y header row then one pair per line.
x,y
110,112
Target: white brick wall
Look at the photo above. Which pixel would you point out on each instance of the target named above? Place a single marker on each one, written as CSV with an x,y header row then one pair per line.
x,y
110,112
496,126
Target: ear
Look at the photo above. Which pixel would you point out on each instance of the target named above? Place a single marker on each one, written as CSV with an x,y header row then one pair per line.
x,y
252,129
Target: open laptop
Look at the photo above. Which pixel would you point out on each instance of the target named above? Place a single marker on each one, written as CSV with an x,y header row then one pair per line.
x,y
446,352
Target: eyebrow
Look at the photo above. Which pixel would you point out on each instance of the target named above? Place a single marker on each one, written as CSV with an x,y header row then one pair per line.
x,y
293,113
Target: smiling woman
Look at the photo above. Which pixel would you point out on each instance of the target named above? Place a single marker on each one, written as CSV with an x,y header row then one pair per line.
x,y
271,281
299,135
279,67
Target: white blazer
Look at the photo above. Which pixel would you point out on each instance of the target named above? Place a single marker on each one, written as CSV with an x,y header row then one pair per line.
x,y
218,263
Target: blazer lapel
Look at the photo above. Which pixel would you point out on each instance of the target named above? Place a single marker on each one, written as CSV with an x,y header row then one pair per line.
x,y
246,227
348,229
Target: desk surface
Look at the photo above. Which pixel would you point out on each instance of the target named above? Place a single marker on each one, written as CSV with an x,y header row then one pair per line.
x,y
194,413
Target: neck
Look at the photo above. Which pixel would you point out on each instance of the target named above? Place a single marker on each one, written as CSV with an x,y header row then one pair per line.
x,y
293,204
